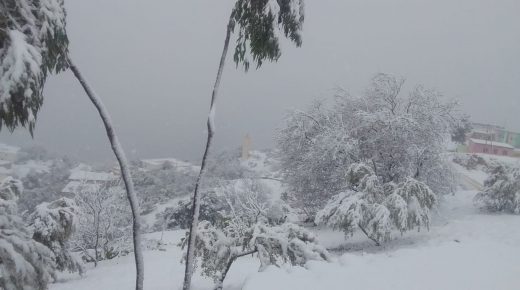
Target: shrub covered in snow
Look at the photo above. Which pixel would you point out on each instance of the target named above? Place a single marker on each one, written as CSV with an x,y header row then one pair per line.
x,y
272,245
156,186
24,263
501,190
246,199
226,165
376,208
212,209
286,243
469,161
53,225
45,185
104,222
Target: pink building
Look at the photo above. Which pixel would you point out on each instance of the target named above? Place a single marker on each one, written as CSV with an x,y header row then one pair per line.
x,y
489,147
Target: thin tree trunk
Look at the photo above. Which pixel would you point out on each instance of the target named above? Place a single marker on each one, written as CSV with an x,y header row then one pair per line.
x,y
220,283
96,244
195,208
125,173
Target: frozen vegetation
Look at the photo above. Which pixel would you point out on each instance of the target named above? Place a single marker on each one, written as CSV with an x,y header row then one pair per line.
x,y
464,249
360,192
481,248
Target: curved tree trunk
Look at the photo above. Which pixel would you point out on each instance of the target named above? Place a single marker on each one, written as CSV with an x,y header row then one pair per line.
x,y
195,208
220,282
125,172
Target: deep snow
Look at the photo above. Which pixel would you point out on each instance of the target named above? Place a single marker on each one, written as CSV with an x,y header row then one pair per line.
x,y
464,249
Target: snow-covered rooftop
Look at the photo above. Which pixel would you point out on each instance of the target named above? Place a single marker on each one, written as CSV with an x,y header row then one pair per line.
x,y
4,162
8,148
92,176
4,171
21,170
158,162
482,131
491,143
80,186
76,186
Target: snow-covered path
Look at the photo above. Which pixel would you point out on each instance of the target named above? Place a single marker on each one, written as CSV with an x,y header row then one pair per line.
x,y
464,249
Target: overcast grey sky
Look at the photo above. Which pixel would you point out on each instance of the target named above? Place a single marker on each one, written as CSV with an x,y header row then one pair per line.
x,y
154,62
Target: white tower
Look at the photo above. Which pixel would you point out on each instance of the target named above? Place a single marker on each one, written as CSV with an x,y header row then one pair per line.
x,y
246,147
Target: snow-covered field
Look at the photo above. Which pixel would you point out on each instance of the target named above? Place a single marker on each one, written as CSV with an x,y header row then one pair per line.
x,y
464,249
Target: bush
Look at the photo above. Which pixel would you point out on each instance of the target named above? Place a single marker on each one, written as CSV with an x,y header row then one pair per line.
x,y
501,191
376,208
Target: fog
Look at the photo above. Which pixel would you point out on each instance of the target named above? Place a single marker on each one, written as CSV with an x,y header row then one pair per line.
x,y
154,63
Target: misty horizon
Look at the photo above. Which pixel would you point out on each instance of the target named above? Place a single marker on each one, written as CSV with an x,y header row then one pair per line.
x,y
156,74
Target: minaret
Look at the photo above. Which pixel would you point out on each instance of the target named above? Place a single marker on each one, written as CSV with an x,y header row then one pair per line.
x,y
246,147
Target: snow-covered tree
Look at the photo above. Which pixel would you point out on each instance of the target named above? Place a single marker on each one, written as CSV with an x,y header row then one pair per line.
x,y
103,222
33,44
397,136
259,25
53,225
226,165
45,185
161,185
376,208
419,200
470,161
501,190
213,209
25,264
272,245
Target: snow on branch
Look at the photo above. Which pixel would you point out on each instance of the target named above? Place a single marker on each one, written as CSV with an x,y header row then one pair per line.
x,y
376,208
272,245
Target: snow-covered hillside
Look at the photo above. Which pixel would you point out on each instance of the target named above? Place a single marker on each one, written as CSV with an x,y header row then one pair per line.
x,y
464,249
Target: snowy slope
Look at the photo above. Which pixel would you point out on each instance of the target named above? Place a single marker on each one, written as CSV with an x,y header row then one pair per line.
x,y
464,249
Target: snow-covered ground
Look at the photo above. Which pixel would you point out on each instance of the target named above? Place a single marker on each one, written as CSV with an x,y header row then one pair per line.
x,y
464,249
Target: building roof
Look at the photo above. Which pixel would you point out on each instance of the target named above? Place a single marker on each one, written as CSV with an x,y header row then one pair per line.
x,y
80,186
77,186
8,148
158,162
491,143
5,163
92,176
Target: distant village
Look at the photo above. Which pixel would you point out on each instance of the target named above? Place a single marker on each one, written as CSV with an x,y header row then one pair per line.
x,y
82,177
482,139
492,139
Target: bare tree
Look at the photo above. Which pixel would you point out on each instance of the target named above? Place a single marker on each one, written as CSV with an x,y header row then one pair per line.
x,y
252,18
103,220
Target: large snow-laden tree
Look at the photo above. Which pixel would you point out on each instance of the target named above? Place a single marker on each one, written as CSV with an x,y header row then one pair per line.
x,y
501,190
33,44
397,135
25,264
260,24
376,208
53,225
